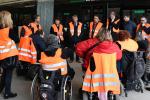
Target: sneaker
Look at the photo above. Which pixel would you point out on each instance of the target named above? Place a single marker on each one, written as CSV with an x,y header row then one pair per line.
x,y
11,95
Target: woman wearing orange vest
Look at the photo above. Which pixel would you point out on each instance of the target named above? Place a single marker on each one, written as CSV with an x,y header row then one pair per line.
x,y
100,75
113,24
95,27
75,30
27,51
7,51
126,42
57,29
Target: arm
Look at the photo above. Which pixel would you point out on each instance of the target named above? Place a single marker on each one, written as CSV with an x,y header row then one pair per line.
x,y
83,46
119,52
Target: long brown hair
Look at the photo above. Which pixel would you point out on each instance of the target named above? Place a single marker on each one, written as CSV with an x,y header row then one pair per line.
x,y
104,34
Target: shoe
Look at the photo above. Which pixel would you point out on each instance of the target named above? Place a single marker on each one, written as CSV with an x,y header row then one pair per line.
x,y
11,95
71,61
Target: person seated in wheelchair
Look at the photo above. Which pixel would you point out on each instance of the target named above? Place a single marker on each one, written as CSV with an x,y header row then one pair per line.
x,y
54,57
91,50
54,64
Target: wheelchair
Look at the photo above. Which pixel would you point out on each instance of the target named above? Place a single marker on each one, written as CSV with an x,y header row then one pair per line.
x,y
61,88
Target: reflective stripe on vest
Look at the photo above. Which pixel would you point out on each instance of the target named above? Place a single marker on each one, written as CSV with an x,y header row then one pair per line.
x,y
100,76
54,63
97,84
71,25
27,51
4,49
105,76
7,45
27,55
7,50
57,65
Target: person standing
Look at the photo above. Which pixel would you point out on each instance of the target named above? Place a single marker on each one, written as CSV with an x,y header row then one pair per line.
x,y
75,30
143,34
113,24
57,29
95,26
8,51
36,24
130,26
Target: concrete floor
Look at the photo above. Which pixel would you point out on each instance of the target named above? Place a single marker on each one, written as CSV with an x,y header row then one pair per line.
x,y
22,87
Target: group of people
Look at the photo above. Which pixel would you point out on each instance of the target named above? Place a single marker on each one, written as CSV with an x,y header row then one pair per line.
x,y
62,42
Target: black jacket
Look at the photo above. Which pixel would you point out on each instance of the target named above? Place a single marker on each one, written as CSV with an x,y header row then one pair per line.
x,y
39,44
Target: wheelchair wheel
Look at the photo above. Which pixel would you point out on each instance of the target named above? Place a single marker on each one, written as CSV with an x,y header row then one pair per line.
x,y
66,89
35,88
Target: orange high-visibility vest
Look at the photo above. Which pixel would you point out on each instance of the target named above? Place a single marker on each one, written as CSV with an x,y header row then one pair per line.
x,y
60,31
54,63
7,46
71,25
129,45
96,30
139,26
27,50
113,29
105,77
28,31
34,26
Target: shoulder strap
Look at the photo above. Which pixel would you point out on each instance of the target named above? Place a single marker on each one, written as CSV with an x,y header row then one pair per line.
x,y
91,49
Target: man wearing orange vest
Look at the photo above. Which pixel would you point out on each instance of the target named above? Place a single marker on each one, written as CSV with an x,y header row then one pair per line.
x,y
36,24
75,30
57,29
113,24
95,26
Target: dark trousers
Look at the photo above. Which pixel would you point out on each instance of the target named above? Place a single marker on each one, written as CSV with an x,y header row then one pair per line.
x,y
74,40
72,55
8,80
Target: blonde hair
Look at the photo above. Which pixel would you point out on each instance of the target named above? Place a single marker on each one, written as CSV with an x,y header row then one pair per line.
x,y
5,19
104,34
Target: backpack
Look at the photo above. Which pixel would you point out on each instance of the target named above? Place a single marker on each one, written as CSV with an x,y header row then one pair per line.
x,y
134,68
47,88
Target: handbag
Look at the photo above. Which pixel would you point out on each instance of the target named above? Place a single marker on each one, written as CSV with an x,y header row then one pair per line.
x,y
9,62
